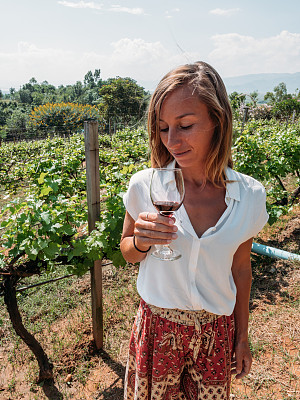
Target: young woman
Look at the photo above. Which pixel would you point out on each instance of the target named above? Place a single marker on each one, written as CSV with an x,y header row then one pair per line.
x,y
191,329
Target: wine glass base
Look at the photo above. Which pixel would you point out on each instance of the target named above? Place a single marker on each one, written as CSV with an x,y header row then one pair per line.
x,y
172,255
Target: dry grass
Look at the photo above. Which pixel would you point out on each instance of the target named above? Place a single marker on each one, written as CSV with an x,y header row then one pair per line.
x,y
275,336
83,373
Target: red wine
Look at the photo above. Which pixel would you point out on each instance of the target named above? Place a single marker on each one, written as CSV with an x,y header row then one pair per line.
x,y
166,207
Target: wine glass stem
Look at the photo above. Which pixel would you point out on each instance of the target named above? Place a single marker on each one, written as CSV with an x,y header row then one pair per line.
x,y
166,250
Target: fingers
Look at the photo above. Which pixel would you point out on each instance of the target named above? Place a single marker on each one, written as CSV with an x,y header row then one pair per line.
x,y
153,228
240,368
156,223
157,218
245,369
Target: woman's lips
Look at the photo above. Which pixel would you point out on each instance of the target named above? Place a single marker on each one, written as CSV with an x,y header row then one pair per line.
x,y
182,153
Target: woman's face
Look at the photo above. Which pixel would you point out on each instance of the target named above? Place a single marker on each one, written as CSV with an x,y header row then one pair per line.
x,y
186,128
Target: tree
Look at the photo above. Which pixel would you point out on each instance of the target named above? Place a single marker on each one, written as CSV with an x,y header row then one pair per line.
x,y
254,97
97,74
122,100
17,122
236,100
279,94
12,92
285,108
283,103
6,110
65,94
78,89
38,98
89,79
62,117
25,96
33,81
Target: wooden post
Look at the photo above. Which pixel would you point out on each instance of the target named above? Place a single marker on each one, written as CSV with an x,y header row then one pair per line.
x,y
245,116
93,199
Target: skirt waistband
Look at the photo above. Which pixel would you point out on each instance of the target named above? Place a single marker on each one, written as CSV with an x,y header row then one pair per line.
x,y
185,317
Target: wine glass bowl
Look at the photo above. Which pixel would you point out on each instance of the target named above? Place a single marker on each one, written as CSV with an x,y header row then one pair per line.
x,y
166,193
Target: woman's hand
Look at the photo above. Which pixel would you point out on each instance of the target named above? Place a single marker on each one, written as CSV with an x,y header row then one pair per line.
x,y
242,360
153,228
242,275
148,229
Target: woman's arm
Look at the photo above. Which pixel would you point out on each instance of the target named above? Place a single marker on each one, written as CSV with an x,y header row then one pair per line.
x,y
148,229
242,275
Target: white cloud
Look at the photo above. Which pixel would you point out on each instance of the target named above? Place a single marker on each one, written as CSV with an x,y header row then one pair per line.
x,y
81,4
169,15
138,48
135,11
235,54
29,61
146,62
98,6
136,58
225,12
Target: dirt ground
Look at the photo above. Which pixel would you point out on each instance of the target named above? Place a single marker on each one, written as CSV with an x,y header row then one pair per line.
x,y
274,333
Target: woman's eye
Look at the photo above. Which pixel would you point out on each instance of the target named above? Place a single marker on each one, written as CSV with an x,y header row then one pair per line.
x,y
164,129
186,127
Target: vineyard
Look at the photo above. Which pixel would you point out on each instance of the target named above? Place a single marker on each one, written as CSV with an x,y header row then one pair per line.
x,y
43,233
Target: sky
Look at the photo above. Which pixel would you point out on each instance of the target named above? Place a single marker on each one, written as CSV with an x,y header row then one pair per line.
x,y
59,41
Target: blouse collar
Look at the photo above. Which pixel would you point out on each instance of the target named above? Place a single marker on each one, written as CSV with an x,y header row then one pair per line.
x,y
232,186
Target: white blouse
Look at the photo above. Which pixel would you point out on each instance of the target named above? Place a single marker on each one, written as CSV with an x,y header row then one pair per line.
x,y
202,277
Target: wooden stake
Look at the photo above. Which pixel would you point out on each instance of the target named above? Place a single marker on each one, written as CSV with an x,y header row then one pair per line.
x,y
93,200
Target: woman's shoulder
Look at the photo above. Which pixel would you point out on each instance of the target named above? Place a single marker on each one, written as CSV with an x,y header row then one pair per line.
x,y
246,182
140,177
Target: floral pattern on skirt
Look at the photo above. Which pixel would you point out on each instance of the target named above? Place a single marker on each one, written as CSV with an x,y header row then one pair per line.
x,y
179,355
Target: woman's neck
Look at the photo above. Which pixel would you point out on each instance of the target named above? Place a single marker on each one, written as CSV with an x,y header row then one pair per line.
x,y
195,176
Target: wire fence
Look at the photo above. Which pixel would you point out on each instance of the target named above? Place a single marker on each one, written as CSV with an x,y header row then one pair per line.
x,y
23,288
23,134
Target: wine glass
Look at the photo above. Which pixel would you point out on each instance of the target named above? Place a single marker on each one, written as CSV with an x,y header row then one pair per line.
x,y
167,193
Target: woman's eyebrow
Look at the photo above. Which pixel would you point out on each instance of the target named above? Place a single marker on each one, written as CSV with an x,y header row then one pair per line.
x,y
179,116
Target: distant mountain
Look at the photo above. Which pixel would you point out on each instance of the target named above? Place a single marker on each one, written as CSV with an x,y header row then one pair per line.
x,y
263,83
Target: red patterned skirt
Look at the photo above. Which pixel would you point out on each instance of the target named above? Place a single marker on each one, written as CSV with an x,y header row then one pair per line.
x,y
179,355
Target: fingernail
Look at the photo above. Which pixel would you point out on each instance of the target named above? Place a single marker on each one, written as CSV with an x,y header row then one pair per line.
x,y
174,236
171,221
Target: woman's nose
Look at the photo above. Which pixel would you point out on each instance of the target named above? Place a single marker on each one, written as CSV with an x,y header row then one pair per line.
x,y
173,138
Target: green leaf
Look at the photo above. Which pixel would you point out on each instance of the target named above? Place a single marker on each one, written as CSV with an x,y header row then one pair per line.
x,y
41,178
46,217
67,229
55,227
79,248
45,191
118,259
52,250
32,252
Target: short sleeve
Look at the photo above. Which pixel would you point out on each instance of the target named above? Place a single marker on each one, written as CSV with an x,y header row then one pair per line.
x,y
137,197
259,213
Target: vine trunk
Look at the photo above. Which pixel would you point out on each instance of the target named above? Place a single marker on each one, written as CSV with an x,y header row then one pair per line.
x,y
10,299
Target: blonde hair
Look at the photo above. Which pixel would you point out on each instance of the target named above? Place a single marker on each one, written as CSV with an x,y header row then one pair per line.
x,y
208,85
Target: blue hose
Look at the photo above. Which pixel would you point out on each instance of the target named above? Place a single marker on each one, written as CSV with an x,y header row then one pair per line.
x,y
273,252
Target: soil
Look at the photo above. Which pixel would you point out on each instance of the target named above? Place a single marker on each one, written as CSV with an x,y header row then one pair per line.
x,y
274,329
